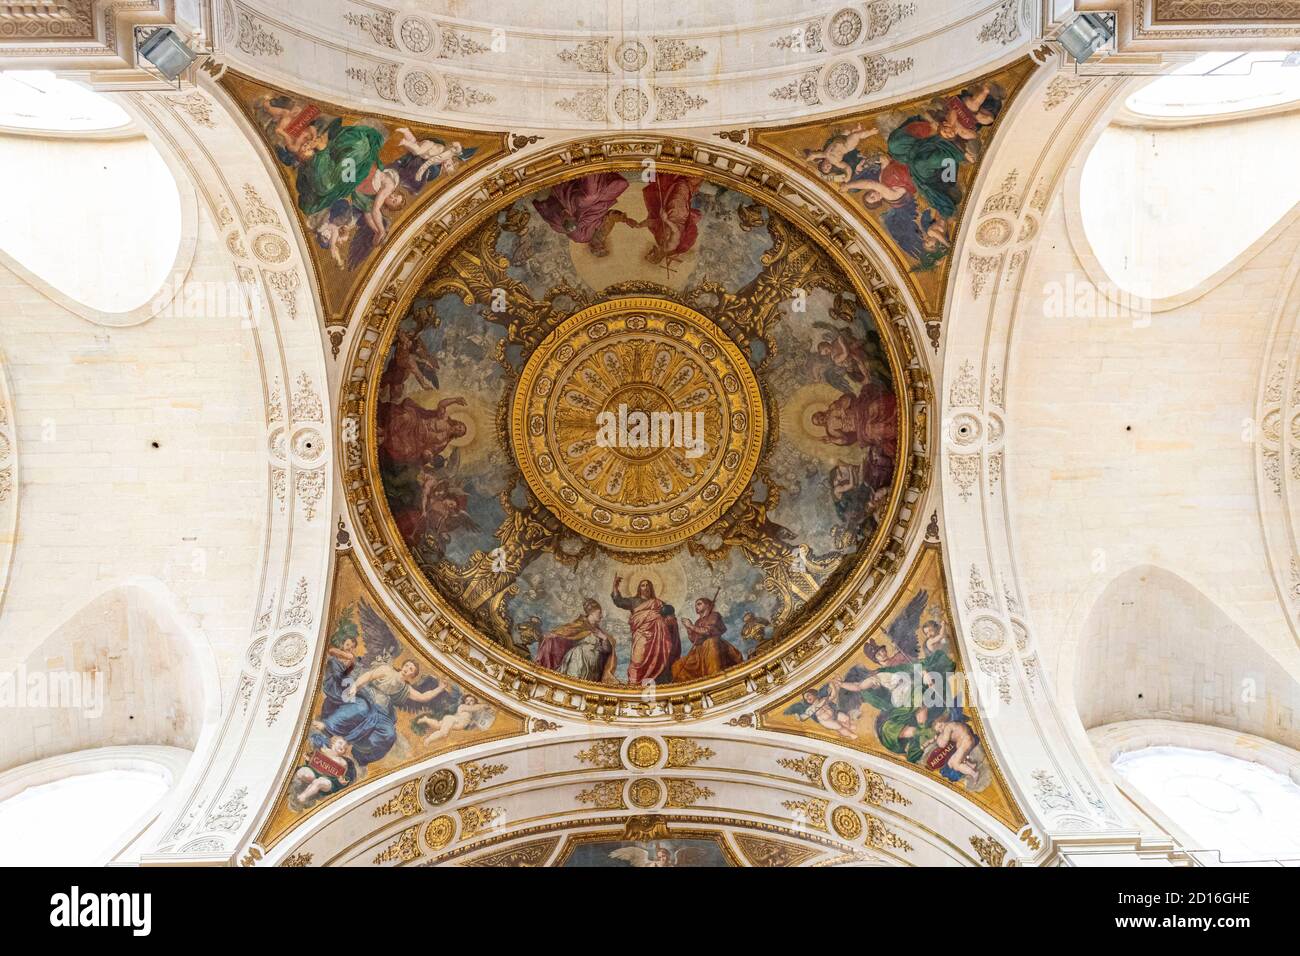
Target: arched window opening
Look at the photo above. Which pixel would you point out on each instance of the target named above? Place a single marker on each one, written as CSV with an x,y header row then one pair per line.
x,y
39,100
1217,84
80,809
98,218
1241,809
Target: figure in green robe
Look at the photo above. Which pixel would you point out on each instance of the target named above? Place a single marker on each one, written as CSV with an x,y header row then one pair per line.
x,y
339,171
932,161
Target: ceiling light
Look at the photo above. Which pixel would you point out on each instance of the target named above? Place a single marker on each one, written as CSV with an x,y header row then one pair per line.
x,y
1086,34
168,53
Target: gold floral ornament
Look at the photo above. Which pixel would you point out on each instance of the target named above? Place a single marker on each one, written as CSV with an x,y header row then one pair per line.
x,y
439,832
644,752
440,787
637,422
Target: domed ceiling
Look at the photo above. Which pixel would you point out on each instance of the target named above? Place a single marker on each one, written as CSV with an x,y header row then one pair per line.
x,y
637,428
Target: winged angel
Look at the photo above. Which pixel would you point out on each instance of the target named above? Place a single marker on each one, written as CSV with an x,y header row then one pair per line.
x,y
660,857
367,682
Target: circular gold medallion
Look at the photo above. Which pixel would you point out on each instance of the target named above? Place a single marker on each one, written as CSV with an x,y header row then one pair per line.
x,y
644,752
843,779
644,793
440,787
439,832
846,823
637,422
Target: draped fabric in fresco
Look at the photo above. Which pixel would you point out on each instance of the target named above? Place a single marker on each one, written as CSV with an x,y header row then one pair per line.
x,y
830,449
355,178
381,704
902,695
906,170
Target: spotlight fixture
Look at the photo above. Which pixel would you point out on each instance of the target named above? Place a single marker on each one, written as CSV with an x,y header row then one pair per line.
x,y
167,52
1086,34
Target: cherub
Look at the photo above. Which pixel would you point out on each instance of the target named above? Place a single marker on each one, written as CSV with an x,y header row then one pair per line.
x,y
471,714
334,235
934,636
956,735
386,184
434,153
662,857
328,768
829,160
295,127
827,710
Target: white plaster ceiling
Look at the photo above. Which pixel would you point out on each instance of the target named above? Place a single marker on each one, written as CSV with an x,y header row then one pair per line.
x,y
575,64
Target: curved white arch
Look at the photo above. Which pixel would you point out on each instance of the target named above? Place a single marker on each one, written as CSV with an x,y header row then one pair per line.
x,y
165,763
49,271
1121,270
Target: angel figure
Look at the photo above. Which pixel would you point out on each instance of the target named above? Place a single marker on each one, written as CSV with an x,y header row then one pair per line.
x,y
837,706
361,708
661,857
438,156
470,714
328,767
832,159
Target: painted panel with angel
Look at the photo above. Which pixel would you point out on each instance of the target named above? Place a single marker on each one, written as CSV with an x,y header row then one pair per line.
x,y
353,176
380,704
656,854
909,167
902,694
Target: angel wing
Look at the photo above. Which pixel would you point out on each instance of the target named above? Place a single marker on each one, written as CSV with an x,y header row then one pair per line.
x,y
632,855
837,380
902,629
857,673
381,643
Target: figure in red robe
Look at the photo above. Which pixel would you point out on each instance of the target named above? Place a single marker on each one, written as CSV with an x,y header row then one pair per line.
x,y
670,215
583,209
656,643
414,434
868,420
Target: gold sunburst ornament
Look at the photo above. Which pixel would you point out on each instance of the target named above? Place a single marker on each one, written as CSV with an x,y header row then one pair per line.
x,y
637,422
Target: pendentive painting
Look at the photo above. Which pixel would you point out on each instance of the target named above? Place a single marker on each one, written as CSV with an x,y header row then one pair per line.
x,y
902,694
381,705
354,178
908,169
637,426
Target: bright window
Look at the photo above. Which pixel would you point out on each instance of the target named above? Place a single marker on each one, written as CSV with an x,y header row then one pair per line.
x,y
97,218
1220,83
1242,809
40,100
76,820
1164,209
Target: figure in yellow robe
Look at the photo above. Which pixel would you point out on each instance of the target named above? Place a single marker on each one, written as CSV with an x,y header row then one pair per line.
x,y
710,653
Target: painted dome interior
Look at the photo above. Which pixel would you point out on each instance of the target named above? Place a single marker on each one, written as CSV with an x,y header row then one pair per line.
x,y
645,291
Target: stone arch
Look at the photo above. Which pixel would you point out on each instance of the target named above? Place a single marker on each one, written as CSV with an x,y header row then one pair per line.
x,y
1154,646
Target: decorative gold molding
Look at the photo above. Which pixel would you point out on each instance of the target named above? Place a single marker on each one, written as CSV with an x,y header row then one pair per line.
x,y
447,629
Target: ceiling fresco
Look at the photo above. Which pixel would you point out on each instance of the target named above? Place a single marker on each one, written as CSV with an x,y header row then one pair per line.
x,y
902,694
355,178
636,427
380,704
906,171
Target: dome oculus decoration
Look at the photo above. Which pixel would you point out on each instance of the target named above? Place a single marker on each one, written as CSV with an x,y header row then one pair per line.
x,y
637,430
